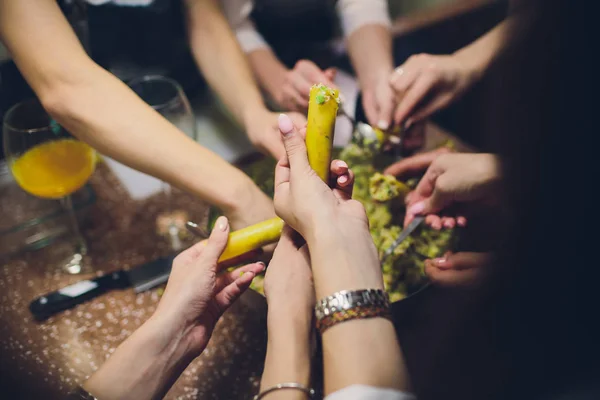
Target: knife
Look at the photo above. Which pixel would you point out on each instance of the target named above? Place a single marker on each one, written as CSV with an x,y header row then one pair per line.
x,y
403,235
141,278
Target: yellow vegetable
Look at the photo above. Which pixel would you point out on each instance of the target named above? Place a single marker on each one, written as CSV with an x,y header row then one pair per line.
x,y
386,187
252,237
322,110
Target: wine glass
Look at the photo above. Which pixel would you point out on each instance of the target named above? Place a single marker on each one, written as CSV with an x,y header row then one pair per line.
x,y
167,97
47,162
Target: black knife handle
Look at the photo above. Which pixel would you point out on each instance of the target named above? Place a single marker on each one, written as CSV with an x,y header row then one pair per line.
x,y
45,306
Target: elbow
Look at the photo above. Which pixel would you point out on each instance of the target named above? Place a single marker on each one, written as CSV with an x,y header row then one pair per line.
x,y
60,100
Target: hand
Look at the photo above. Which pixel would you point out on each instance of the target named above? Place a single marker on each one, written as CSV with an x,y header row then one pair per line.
x,y
263,131
451,179
454,269
301,198
196,296
295,90
415,165
289,287
427,83
335,226
378,103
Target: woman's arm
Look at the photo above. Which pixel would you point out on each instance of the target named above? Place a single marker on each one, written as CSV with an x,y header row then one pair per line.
x,y
99,109
366,26
226,69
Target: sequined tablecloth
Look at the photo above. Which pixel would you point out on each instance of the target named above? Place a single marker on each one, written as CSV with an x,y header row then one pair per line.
x,y
46,360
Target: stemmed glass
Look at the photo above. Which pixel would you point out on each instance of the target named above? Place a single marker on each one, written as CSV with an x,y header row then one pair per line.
x,y
47,162
168,98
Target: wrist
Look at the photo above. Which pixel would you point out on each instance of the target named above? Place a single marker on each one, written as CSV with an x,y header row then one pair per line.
x,y
473,67
344,259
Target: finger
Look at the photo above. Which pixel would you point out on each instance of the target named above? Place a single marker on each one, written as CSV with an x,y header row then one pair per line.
x,y
452,277
216,242
461,221
294,100
403,77
414,165
330,73
241,259
370,108
462,260
413,97
300,84
230,293
227,278
312,73
344,186
434,221
295,147
337,168
448,222
385,109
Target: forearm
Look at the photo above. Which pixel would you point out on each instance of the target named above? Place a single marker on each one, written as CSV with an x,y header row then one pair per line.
x,y
359,351
269,71
145,366
370,50
221,59
481,54
288,354
101,110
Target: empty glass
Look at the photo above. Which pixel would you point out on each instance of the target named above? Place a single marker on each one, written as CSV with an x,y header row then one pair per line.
x,y
167,97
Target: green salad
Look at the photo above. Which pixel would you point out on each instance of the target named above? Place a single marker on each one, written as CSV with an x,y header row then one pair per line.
x,y
403,270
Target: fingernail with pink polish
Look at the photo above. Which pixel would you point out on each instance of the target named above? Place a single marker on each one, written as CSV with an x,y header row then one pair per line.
x,y
222,223
341,164
383,125
286,126
416,208
441,262
262,265
343,179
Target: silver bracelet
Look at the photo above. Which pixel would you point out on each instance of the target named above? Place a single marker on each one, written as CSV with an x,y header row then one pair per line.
x,y
347,299
288,385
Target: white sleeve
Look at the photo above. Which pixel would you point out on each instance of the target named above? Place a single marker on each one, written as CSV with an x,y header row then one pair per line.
x,y
362,392
237,13
357,13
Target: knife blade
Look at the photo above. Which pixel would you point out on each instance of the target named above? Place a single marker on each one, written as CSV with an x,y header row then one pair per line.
x,y
403,235
140,278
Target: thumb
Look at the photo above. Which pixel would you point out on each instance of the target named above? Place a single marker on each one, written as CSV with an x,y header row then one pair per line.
x,y
330,73
295,148
386,109
216,243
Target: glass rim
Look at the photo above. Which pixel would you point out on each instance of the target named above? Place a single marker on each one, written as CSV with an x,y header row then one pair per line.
x,y
157,78
28,130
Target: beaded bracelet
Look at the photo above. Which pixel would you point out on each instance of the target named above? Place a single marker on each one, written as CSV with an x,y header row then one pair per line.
x,y
358,312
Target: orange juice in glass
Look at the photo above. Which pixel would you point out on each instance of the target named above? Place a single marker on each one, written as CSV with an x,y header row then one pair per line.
x,y
46,161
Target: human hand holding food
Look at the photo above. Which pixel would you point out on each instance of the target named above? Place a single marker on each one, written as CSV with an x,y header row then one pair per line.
x,y
452,179
334,225
295,91
151,359
427,83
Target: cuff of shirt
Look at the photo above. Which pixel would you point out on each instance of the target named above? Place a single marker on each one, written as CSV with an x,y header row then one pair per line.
x,y
363,392
356,14
249,39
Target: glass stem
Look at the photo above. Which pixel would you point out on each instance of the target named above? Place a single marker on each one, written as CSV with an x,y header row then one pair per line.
x,y
67,202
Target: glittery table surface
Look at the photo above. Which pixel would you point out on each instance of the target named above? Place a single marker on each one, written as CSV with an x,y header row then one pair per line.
x,y
47,360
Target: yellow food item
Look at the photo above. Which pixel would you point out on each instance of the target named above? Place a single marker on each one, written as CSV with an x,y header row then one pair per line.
x,y
252,237
322,110
386,187
55,169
